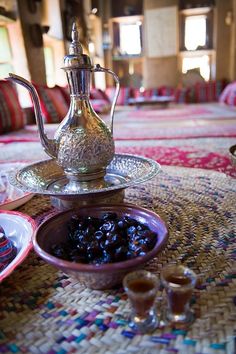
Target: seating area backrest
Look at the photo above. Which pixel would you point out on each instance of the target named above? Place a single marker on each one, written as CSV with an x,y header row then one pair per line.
x,y
55,101
199,92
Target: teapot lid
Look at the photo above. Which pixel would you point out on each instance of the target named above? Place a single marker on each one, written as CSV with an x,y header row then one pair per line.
x,y
76,59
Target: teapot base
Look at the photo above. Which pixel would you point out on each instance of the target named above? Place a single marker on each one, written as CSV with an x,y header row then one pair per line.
x,y
83,177
64,203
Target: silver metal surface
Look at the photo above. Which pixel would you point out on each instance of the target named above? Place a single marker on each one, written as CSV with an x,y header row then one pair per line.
x,y
83,145
63,203
46,177
76,58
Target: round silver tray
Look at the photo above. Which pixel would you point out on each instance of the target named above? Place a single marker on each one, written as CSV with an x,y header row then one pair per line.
x,y
46,177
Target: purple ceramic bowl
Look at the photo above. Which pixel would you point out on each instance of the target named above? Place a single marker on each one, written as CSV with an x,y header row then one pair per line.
x,y
104,276
232,153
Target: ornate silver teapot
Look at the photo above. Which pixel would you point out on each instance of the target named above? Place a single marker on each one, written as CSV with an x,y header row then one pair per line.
x,y
83,145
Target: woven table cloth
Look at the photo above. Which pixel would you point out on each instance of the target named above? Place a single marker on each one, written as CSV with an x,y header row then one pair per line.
x,y
45,311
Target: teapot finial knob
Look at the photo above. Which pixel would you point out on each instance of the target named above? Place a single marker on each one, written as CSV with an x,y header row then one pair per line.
x,y
75,46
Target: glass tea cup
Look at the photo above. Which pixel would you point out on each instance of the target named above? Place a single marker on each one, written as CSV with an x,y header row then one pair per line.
x,y
141,287
179,282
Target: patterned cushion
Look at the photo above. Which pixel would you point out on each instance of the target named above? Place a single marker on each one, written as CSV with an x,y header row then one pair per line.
x,y
148,93
53,103
208,91
66,93
123,97
100,105
12,116
98,94
182,95
166,91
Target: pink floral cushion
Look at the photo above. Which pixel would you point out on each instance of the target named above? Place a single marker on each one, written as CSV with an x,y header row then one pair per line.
x,y
228,96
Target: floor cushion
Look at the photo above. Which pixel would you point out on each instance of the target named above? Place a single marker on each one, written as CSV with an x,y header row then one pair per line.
x,y
66,93
98,94
12,116
123,97
208,91
53,103
147,93
100,105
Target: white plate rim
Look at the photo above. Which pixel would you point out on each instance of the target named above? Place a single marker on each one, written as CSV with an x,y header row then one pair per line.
x,y
18,260
17,202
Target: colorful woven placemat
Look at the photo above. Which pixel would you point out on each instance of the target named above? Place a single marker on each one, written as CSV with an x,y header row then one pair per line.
x,y
45,311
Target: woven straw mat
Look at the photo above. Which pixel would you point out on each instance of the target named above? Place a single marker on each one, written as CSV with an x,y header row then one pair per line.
x,y
45,311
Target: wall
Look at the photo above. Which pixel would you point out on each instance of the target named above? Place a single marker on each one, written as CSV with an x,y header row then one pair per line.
x,y
223,40
159,71
51,16
233,43
35,54
166,71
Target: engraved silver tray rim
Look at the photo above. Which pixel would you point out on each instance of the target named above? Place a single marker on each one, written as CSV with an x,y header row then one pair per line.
x,y
150,169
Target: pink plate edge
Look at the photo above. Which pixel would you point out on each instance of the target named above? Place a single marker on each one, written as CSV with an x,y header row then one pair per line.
x,y
17,202
13,264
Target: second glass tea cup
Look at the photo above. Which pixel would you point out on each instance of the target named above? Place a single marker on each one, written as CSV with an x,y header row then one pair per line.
x,y
179,282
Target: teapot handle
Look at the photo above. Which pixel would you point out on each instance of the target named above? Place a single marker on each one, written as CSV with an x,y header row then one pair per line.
x,y
99,68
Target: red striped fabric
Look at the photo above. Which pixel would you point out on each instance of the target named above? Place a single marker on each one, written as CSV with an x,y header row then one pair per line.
x,y
66,93
53,103
12,116
182,95
166,91
98,94
208,91
123,97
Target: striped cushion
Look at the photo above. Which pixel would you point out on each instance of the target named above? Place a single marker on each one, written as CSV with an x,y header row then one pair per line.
x,y
98,94
166,91
148,93
100,106
66,93
123,97
182,95
208,91
53,103
12,116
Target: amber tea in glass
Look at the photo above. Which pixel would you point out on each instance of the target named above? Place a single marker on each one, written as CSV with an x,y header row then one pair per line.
x,y
179,282
141,288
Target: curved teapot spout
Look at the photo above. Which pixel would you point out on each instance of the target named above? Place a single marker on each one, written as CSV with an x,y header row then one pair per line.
x,y
49,145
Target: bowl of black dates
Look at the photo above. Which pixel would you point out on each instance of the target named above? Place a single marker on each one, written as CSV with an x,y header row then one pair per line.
x,y
99,244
